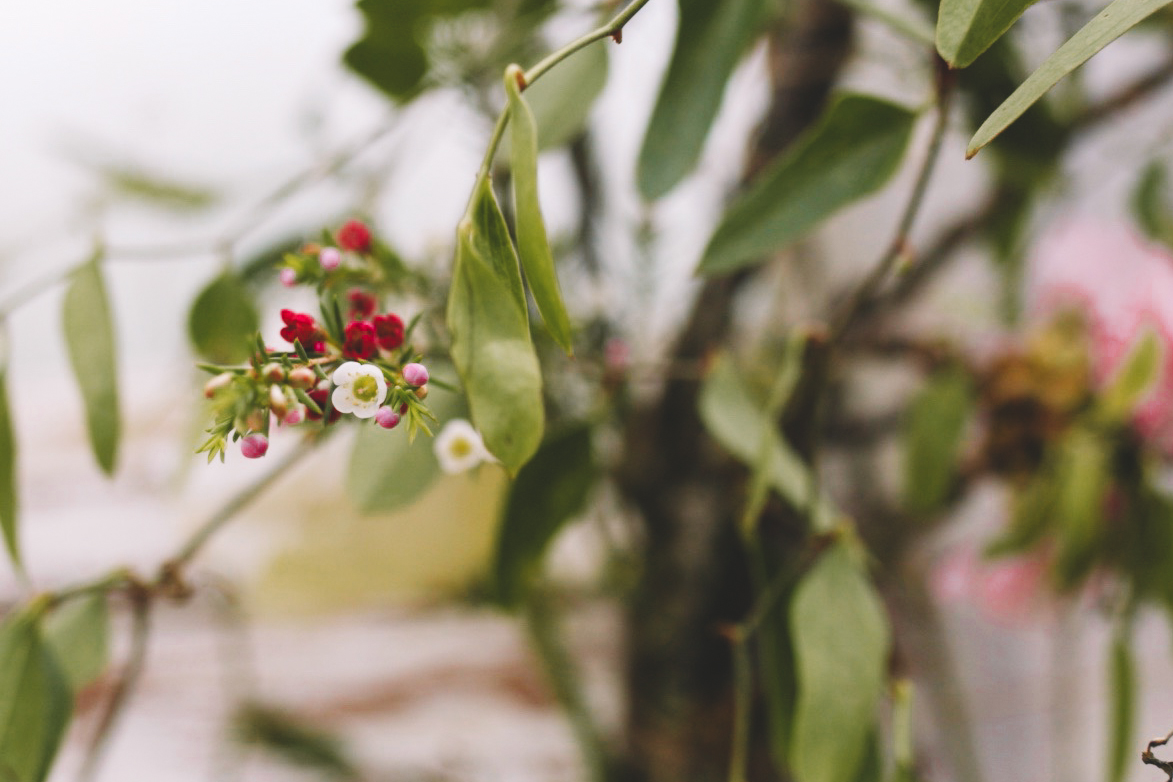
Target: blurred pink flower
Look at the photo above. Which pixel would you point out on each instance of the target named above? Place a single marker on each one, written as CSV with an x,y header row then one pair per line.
x,y
1010,590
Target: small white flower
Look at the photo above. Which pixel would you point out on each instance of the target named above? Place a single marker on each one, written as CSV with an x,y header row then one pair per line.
x,y
459,447
359,389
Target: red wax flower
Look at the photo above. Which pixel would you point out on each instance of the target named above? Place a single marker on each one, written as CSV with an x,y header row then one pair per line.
x,y
362,305
388,331
302,327
354,236
360,340
321,397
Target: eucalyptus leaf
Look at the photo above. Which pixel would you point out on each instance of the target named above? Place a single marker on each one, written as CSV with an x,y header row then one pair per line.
x,y
491,344
532,245
550,490
936,422
35,701
966,28
854,150
1122,712
1118,18
711,38
223,321
9,521
89,339
841,642
78,634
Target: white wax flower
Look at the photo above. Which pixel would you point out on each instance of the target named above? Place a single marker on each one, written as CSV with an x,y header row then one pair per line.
x,y
359,389
459,447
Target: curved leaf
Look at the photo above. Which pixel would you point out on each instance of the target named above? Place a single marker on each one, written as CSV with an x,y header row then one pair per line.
x,y
532,245
35,701
936,422
854,150
711,37
1118,18
8,490
223,321
966,28
491,343
89,338
78,634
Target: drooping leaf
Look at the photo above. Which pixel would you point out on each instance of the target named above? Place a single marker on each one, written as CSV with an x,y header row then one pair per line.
x,y
89,339
1122,713
386,471
35,701
491,343
854,150
532,245
293,741
711,38
966,28
562,99
936,421
1151,206
1134,377
548,492
9,523
1081,483
841,644
78,634
223,321
1118,18
152,189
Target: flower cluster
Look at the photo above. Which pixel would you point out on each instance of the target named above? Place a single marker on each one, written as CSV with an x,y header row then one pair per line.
x,y
363,365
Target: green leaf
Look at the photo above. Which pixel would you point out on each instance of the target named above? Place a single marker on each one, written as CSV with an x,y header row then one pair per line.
x,y
1151,207
386,471
548,492
491,343
1122,714
223,321
152,189
532,245
293,741
1118,18
89,339
1135,376
562,99
78,634
778,679
35,701
915,28
854,150
8,491
711,38
966,28
841,644
936,422
1082,481
738,422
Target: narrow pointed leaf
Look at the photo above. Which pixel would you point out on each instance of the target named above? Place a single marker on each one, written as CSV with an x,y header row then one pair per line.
x,y
936,422
1136,376
532,245
491,343
78,633
1151,207
89,338
1122,714
966,28
841,640
854,151
548,492
223,321
35,701
711,38
8,492
1118,18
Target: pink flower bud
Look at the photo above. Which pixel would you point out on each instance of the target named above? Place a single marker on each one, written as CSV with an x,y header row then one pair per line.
x,y
221,380
415,374
273,372
421,392
295,415
386,418
254,446
330,258
288,277
278,402
302,377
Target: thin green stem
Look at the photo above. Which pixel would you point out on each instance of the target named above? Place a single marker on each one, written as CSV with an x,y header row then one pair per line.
x,y
742,706
115,579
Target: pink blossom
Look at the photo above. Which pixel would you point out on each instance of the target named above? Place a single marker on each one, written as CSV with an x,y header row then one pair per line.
x,y
254,446
386,418
415,374
288,277
1009,591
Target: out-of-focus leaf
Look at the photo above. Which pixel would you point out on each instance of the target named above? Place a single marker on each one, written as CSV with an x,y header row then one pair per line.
x,y
914,28
548,492
737,421
710,40
293,742
78,634
223,321
386,471
854,150
1133,378
778,679
9,523
154,190
491,343
35,701
259,267
1151,207
1081,483
532,245
1122,714
89,338
1118,18
936,422
841,643
563,98
966,28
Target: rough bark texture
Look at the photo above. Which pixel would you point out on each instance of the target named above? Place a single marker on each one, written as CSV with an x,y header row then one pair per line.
x,y
695,577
